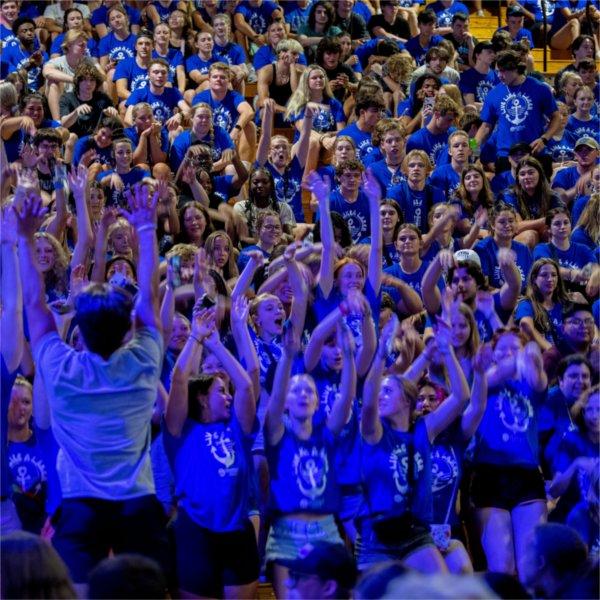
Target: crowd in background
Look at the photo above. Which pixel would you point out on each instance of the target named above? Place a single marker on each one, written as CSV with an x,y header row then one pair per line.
x,y
300,291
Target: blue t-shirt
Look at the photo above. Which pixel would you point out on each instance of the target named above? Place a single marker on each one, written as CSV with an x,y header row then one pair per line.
x,y
163,105
35,488
132,134
231,54
174,58
136,76
575,257
532,204
82,145
17,57
582,237
7,37
362,139
434,145
195,63
385,177
561,150
100,15
535,7
575,129
396,472
217,143
519,111
478,84
115,197
92,46
258,17
445,178
115,49
297,17
487,250
288,186
417,51
356,214
445,14
225,113
326,117
265,55
415,204
555,318
559,20
565,178
521,34
211,464
508,433
302,477
413,280
503,181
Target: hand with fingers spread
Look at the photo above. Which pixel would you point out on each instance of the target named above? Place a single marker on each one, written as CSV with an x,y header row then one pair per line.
x,y
240,310
446,259
142,208
317,185
450,305
203,323
483,358
78,181
78,281
371,186
29,215
484,302
443,336
345,339
291,340
506,257
388,334
481,217
29,157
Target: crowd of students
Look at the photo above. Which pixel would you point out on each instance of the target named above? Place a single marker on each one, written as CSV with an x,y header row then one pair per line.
x,y
359,308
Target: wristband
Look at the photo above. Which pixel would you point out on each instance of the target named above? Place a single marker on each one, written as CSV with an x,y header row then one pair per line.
x,y
236,126
193,337
146,227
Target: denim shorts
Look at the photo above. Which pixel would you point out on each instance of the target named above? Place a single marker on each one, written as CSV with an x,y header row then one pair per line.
x,y
288,536
370,550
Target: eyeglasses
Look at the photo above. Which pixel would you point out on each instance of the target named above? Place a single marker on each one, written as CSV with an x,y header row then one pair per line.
x,y
579,322
270,227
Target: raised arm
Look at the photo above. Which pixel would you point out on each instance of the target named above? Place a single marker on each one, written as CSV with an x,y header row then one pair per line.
x,y
108,218
479,391
531,367
12,294
342,407
142,216
266,132
321,189
321,333
244,401
244,281
243,341
370,422
301,148
274,427
299,289
78,183
452,406
510,291
432,297
203,325
372,189
29,213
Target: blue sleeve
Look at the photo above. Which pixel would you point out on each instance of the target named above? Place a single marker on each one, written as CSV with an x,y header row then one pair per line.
x,y
541,251
121,71
488,111
338,111
524,309
178,150
135,16
55,48
135,97
192,63
79,150
548,101
262,58
561,179
103,44
96,16
237,55
237,99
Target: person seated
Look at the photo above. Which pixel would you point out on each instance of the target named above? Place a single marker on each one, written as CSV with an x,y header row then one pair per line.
x,y
462,39
149,139
348,19
100,19
515,18
417,46
159,11
436,62
132,73
81,109
445,10
251,20
173,56
165,101
73,19
390,23
568,20
267,54
229,52
318,25
197,65
24,55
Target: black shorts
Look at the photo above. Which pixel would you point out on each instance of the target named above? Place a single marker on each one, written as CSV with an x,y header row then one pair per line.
x,y
208,561
88,528
494,486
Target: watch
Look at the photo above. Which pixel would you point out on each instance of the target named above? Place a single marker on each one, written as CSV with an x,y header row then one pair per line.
x,y
545,140
237,126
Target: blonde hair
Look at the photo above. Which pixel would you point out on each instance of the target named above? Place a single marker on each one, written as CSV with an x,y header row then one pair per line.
x,y
420,154
185,251
209,246
301,97
57,278
72,36
453,92
589,220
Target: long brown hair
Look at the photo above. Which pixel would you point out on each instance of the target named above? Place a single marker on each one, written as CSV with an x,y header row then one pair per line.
x,y
543,191
485,197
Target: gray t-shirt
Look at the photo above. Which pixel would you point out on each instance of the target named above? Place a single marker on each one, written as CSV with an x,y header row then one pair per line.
x,y
101,411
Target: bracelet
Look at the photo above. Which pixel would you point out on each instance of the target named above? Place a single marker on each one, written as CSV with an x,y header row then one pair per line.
x,y
196,339
146,227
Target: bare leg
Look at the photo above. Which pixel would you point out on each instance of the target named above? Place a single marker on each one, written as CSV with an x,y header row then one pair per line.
x,y
247,146
457,559
243,592
525,518
564,37
497,539
426,560
53,93
280,575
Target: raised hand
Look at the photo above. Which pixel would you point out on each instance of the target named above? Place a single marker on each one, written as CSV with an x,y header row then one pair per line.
x,y
29,157
371,186
203,322
240,311
443,336
446,259
481,217
228,155
345,339
8,226
29,215
291,340
317,185
484,302
506,257
450,305
78,281
388,334
483,358
311,109
142,207
257,257
78,181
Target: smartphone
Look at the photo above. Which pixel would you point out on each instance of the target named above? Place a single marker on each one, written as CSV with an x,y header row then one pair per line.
x,y
429,101
175,262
